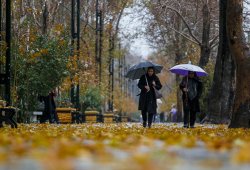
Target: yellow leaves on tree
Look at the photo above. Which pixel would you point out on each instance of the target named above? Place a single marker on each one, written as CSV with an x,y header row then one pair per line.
x,y
192,54
58,29
65,86
124,103
3,47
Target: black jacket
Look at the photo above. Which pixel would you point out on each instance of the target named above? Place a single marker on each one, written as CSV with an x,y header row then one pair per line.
x,y
194,86
191,97
147,100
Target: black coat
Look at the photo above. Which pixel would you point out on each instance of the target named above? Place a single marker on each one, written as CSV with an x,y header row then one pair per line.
x,y
147,100
49,111
194,98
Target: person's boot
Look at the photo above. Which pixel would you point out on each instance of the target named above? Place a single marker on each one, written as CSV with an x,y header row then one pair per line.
x,y
149,125
191,126
186,126
144,124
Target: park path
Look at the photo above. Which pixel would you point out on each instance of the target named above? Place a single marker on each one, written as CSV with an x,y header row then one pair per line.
x,y
123,146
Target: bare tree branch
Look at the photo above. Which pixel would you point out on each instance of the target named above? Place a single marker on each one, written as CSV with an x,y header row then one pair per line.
x,y
53,11
215,44
119,18
213,40
185,22
34,15
185,36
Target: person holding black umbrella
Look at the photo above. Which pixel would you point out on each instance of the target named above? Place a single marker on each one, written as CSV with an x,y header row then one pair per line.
x,y
146,71
147,101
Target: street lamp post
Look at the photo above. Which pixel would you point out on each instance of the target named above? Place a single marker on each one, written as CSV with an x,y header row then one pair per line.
x,y
100,44
75,34
78,53
8,50
97,36
113,73
72,90
120,68
111,70
98,39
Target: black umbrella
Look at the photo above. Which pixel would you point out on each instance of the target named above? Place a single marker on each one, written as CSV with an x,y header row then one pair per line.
x,y
137,70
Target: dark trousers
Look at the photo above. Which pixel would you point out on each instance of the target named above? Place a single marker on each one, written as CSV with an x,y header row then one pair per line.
x,y
190,108
52,116
147,117
45,116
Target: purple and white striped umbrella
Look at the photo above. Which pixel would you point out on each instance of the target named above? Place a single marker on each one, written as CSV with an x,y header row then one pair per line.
x,y
183,69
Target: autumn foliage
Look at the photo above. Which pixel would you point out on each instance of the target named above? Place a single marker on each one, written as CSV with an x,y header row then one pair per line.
x,y
112,145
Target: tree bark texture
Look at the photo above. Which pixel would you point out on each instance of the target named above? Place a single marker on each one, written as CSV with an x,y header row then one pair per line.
x,y
205,46
240,52
45,19
179,100
222,92
0,20
178,56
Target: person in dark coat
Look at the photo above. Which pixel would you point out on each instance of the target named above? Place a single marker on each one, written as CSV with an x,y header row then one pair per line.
x,y
49,112
147,100
191,88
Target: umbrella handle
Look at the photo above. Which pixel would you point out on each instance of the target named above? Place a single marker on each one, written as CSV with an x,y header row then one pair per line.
x,y
146,78
186,101
147,82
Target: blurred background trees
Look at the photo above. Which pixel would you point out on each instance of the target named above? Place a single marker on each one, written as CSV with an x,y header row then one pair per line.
x,y
49,52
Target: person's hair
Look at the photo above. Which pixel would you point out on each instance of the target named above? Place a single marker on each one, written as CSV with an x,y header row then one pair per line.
x,y
152,68
195,74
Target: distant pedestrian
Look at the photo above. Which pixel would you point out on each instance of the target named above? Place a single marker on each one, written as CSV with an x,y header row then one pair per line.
x,y
162,117
147,100
173,113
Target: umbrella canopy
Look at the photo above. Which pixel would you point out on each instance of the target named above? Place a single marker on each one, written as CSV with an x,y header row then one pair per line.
x,y
137,70
183,69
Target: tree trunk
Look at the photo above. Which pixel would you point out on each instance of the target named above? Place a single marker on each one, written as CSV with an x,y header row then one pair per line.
x,y
178,56
8,53
222,92
205,46
240,52
45,19
0,20
179,99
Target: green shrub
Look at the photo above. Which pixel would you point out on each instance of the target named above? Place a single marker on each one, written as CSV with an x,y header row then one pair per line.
x,y
91,99
40,69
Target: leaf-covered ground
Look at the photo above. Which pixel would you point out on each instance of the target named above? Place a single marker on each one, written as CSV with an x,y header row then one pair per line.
x,y
123,146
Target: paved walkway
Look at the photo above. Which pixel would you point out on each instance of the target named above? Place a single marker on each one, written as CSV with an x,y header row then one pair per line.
x,y
129,150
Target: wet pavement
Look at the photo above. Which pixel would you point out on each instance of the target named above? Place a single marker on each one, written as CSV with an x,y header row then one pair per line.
x,y
149,154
